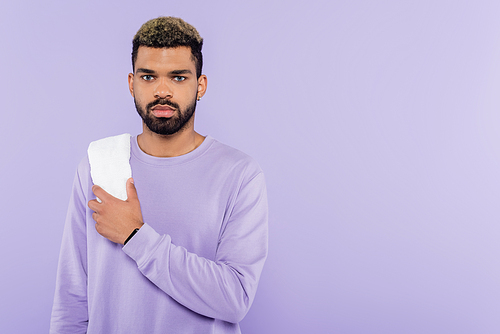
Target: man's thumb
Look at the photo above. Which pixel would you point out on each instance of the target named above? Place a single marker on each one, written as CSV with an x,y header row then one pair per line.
x,y
131,192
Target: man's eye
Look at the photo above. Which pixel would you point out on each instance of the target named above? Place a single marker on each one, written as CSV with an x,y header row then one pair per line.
x,y
178,78
147,77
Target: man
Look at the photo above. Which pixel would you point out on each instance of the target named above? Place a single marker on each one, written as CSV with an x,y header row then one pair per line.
x,y
194,222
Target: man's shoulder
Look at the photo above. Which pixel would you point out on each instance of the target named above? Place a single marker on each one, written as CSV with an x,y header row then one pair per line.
x,y
111,141
100,148
233,157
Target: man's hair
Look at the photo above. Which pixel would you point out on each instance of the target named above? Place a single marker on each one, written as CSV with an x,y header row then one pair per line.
x,y
169,32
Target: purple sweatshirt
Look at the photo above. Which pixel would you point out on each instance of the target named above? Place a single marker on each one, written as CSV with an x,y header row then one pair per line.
x,y
194,265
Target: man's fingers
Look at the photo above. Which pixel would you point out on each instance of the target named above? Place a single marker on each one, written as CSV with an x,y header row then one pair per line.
x,y
93,205
99,192
131,191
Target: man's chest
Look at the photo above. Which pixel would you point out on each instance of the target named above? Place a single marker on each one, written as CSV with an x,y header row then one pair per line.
x,y
189,207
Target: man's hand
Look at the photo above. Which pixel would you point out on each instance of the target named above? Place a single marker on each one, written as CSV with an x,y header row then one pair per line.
x,y
116,219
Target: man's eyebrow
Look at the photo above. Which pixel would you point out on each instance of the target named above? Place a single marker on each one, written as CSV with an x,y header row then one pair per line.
x,y
144,70
178,72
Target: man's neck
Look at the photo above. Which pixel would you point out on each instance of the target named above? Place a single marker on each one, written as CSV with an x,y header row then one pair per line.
x,y
167,146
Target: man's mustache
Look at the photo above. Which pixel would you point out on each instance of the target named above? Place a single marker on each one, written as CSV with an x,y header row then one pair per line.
x,y
162,102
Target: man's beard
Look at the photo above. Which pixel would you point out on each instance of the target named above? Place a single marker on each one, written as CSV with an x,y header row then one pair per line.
x,y
162,125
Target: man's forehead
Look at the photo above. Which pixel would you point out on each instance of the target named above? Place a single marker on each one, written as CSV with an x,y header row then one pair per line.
x,y
178,56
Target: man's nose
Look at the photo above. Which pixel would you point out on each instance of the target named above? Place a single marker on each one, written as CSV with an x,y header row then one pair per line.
x,y
162,90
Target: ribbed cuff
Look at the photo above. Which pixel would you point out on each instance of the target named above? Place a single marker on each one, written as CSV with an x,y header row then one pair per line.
x,y
143,244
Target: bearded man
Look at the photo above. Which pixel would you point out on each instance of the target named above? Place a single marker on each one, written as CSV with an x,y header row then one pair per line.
x,y
183,249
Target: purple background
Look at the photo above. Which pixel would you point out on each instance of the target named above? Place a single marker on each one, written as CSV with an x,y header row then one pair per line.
x,y
377,124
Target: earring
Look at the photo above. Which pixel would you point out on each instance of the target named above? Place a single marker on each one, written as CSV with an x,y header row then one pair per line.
x,y
198,98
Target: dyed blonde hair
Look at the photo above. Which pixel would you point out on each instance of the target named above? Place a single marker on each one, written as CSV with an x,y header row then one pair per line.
x,y
169,32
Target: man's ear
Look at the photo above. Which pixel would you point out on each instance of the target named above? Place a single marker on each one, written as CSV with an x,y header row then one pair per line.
x,y
131,83
202,86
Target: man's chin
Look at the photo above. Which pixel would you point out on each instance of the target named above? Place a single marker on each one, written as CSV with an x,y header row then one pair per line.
x,y
164,130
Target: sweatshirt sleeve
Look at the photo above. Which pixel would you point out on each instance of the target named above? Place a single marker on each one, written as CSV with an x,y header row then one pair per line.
x,y
69,311
224,288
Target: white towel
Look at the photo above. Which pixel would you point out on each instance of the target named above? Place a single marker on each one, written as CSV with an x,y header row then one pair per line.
x,y
109,160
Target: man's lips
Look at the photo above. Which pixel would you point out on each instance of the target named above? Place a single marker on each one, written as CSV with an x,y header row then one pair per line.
x,y
162,111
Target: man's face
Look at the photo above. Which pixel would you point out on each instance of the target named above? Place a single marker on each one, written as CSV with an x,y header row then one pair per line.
x,y
165,88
